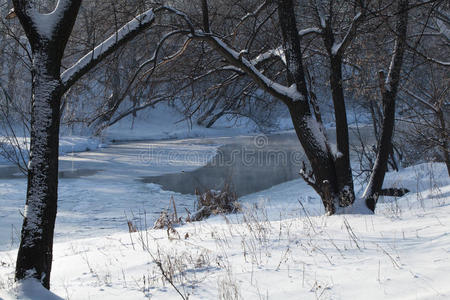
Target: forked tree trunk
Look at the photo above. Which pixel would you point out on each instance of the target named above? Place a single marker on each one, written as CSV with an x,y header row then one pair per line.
x,y
309,131
314,144
342,160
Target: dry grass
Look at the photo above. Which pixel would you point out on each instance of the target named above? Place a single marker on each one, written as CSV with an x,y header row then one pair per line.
x,y
214,202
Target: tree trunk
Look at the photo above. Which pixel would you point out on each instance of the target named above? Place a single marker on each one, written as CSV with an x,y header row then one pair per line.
x,y
34,259
215,117
342,163
314,144
309,131
205,15
35,251
444,137
48,43
389,94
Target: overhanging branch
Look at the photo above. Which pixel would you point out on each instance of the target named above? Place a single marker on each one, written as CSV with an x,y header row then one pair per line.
x,y
95,56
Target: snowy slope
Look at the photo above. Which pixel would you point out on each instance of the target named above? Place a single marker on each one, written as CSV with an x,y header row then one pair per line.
x,y
161,122
67,144
166,122
275,249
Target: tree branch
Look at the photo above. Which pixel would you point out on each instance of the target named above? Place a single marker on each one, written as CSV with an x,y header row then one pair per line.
x,y
119,38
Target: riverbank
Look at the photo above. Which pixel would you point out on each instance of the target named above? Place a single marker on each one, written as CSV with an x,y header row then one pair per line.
x,y
276,248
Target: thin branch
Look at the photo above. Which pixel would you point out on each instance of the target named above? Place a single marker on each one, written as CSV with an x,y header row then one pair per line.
x,y
119,38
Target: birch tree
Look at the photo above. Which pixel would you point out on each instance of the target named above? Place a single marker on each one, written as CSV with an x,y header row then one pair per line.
x,y
48,35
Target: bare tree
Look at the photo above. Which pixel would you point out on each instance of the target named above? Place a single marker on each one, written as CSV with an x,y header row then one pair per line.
x,y
389,88
48,35
330,173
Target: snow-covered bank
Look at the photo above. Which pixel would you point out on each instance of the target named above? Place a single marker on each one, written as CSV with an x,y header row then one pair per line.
x,y
30,289
67,144
162,122
96,205
275,249
165,122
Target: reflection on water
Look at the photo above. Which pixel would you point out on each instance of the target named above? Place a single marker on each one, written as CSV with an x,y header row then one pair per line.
x,y
250,166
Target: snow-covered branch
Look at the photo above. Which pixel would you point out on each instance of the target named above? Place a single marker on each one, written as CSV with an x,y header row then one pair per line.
x,y
279,52
339,48
443,23
119,38
234,58
320,9
421,100
304,32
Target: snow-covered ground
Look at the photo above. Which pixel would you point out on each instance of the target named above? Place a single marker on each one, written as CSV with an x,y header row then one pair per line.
x,y
99,203
275,249
162,122
67,144
166,122
280,246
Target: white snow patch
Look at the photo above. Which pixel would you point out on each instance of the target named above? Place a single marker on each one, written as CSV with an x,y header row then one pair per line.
x,y
29,289
67,144
335,48
164,122
46,23
278,252
318,133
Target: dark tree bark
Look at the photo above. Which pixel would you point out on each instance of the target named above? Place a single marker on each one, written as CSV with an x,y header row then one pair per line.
x,y
389,95
309,131
331,175
444,137
205,15
343,166
335,52
34,259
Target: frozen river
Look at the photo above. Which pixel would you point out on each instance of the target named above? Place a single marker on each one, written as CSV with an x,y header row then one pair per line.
x,y
99,189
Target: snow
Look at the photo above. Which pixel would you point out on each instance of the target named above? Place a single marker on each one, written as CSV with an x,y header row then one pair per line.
x,y
30,289
337,46
318,132
443,28
67,144
279,88
279,52
276,248
164,122
98,51
46,23
321,12
307,31
268,54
